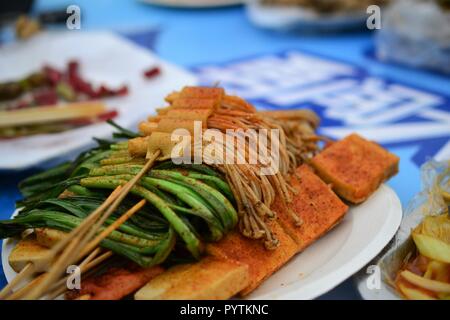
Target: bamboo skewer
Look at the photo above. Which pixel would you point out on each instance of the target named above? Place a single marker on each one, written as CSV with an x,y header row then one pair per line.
x,y
56,270
60,287
61,244
25,272
87,264
105,233
82,266
18,294
78,239
70,244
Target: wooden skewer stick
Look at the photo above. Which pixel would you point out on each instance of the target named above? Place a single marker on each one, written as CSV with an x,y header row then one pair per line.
x,y
126,188
70,253
86,223
105,233
56,270
60,287
18,294
87,264
25,272
68,246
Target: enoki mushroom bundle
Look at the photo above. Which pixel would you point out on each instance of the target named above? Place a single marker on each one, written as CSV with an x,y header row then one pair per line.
x,y
232,118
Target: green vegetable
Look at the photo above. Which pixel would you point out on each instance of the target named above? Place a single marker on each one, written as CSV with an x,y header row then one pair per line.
x,y
186,205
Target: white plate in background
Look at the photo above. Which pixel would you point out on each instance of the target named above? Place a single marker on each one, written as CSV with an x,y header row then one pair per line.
x,y
296,18
104,58
194,3
363,233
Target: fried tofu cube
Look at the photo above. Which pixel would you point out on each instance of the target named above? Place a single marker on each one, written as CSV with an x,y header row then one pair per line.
x,y
28,250
114,283
137,147
355,167
48,237
195,103
261,262
318,207
202,93
191,114
163,141
169,125
147,127
209,279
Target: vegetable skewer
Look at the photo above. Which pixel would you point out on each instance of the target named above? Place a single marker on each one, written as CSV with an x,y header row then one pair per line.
x,y
81,236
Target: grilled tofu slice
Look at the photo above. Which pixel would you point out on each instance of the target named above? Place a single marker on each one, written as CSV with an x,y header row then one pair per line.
x,y
261,262
195,103
211,279
315,203
202,93
355,167
115,283
26,251
48,237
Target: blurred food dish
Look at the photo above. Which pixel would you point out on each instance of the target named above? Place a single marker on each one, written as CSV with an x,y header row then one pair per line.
x,y
194,3
212,229
306,15
100,56
29,105
326,6
416,33
416,265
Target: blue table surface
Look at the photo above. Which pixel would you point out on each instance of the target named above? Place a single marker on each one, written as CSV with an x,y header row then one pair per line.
x,y
195,37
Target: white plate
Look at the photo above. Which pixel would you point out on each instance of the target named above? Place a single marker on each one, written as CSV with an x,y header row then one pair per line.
x,y
194,3
104,58
285,18
363,233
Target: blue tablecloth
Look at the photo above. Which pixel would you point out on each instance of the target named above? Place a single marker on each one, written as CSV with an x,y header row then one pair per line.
x,y
410,114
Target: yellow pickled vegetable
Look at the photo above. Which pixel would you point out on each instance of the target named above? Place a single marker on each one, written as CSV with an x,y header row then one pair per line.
x,y
432,237
432,285
414,294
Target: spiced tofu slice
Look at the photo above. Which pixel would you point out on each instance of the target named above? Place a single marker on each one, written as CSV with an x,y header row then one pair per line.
x,y
210,278
261,262
355,167
318,207
29,250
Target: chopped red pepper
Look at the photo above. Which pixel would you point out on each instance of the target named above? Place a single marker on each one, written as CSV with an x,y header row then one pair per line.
x,y
104,91
108,115
77,82
53,75
45,97
152,72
